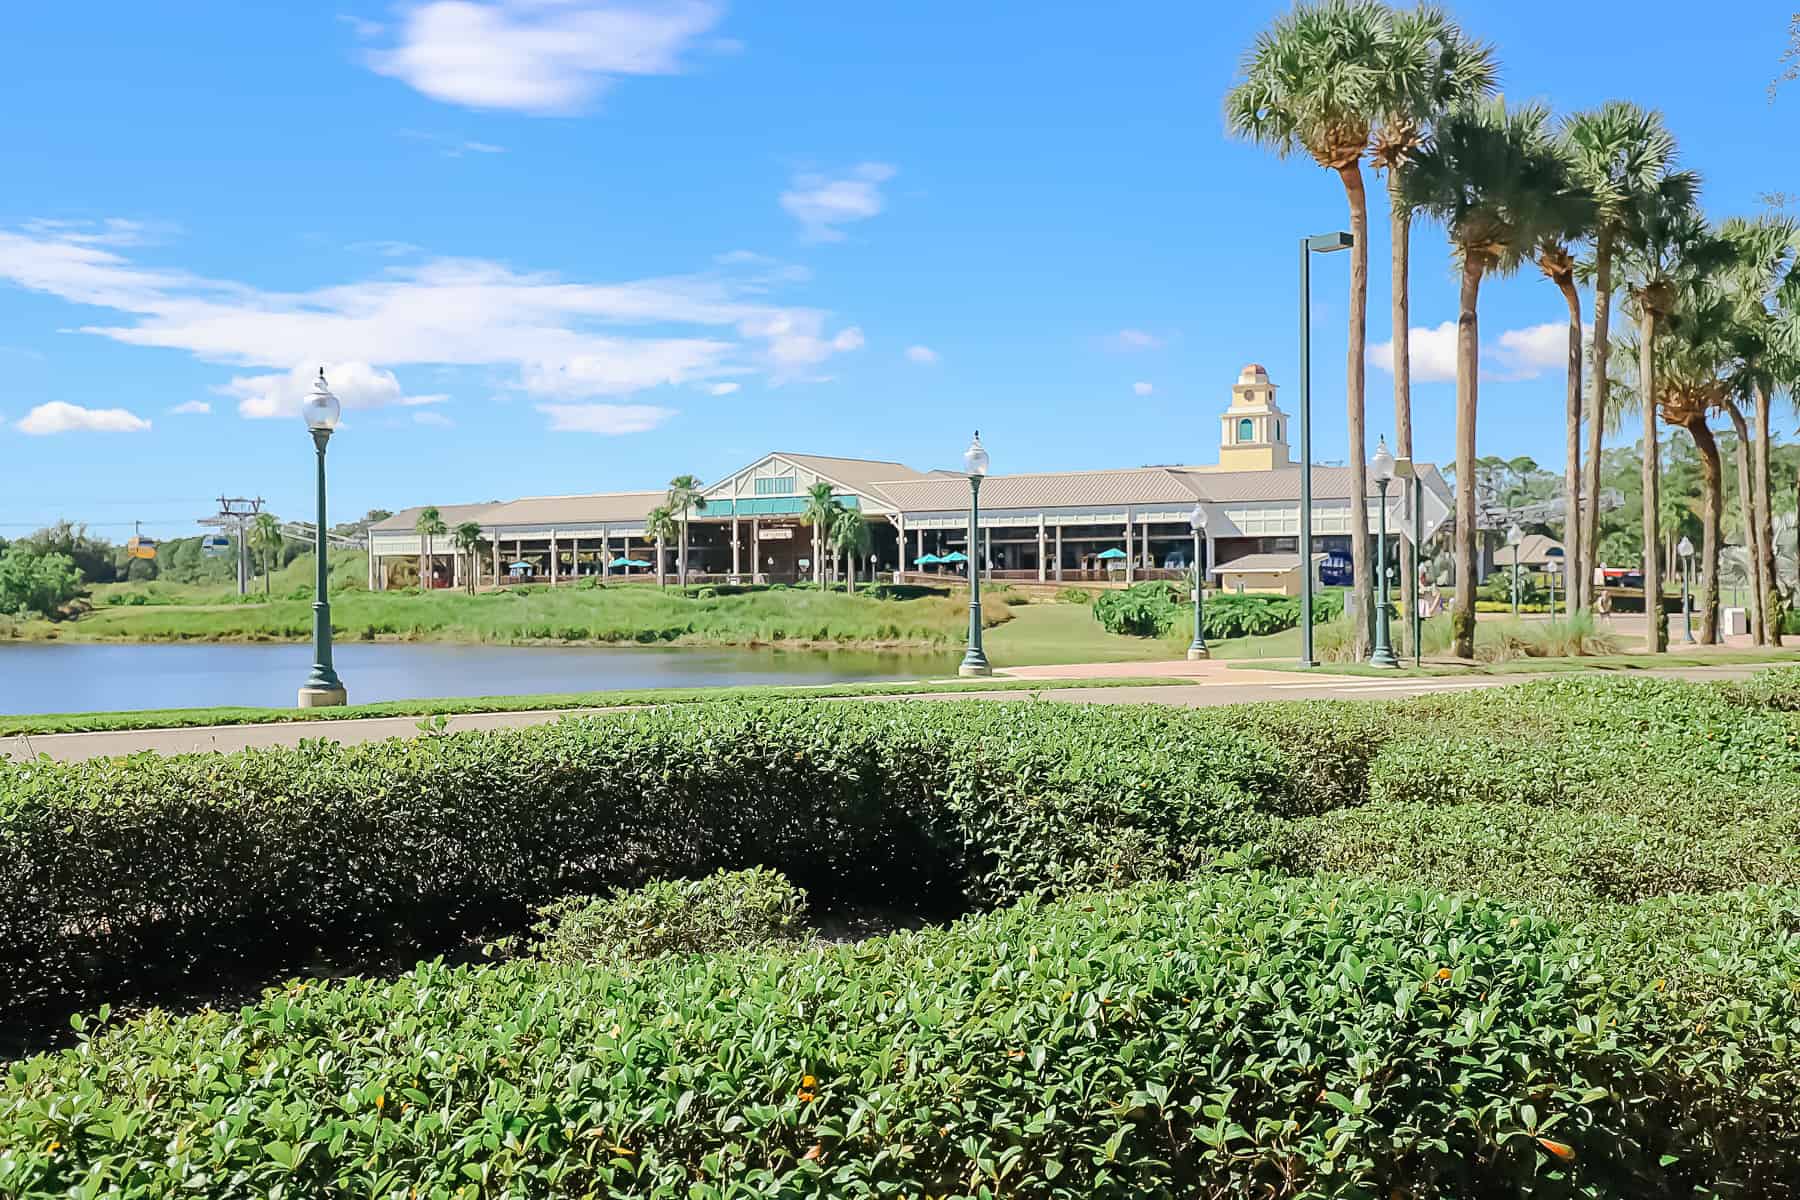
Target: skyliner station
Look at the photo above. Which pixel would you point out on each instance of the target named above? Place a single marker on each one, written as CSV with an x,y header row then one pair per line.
x,y
1107,526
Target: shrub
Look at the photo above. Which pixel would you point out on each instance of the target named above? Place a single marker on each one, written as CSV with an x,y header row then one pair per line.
x,y
1243,1036
1141,610
1014,598
728,910
1074,595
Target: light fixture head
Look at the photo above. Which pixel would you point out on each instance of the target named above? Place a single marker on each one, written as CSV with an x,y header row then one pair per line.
x,y
1326,243
975,458
1514,535
1685,548
1197,519
321,408
1382,465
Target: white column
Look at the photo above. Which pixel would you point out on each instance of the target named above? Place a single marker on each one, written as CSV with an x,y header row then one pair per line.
x,y
1130,549
1043,567
371,564
605,552
736,568
495,547
1059,568
553,558
456,568
899,547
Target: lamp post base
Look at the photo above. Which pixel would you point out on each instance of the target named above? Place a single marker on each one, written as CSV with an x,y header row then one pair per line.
x,y
974,669
1383,657
322,697
1196,653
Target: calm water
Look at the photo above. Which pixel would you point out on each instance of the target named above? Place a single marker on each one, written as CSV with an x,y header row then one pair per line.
x,y
60,678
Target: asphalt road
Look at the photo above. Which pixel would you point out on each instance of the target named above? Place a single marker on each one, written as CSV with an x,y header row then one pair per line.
x,y
1192,685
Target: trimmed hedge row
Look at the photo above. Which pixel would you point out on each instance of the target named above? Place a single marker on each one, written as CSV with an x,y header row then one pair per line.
x,y
128,873
1231,1037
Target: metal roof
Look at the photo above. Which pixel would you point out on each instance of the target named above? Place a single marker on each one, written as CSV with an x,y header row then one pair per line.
x,y
406,519
592,509
1274,563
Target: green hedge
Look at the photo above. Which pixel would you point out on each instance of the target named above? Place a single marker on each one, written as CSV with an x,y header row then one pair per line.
x,y
1230,1037
1154,609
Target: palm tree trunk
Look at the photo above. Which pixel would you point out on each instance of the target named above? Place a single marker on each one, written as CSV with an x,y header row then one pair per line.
x,y
681,556
1597,389
1747,514
1712,491
660,561
1362,568
1769,599
850,586
1400,289
1656,629
1573,544
1468,371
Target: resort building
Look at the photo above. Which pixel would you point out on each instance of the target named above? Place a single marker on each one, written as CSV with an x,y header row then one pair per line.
x,y
1098,526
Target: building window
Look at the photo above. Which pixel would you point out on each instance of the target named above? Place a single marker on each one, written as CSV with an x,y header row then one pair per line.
x,y
1246,430
781,486
1278,431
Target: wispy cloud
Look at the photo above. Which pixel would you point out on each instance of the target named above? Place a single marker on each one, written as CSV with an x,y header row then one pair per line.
x,y
1517,354
723,389
1131,340
191,408
451,147
58,417
539,56
362,27
824,203
605,418
1142,389
562,339
925,356
431,417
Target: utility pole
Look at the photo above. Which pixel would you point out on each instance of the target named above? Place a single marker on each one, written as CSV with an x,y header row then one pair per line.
x,y
236,513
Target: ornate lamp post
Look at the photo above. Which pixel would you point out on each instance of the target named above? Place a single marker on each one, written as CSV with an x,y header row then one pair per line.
x,y
1323,243
975,466
1686,550
1381,468
1514,537
323,688
1197,648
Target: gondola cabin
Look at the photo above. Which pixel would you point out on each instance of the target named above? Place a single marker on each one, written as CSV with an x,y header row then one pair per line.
x,y
215,545
140,546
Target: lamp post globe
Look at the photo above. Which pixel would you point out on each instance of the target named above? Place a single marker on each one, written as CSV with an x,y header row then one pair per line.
x,y
1381,469
1197,648
975,466
1686,550
323,688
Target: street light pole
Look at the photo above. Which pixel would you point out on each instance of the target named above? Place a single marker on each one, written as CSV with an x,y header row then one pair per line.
x,y
1382,468
1514,538
323,688
975,464
1686,550
1197,648
1323,243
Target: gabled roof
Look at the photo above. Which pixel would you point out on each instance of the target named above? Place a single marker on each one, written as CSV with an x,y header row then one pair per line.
x,y
1264,562
453,514
861,475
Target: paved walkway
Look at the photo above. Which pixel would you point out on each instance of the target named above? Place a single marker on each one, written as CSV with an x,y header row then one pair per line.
x,y
1193,685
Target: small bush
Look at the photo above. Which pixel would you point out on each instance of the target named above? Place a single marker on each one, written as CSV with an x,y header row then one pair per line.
x,y
1141,610
729,910
1074,595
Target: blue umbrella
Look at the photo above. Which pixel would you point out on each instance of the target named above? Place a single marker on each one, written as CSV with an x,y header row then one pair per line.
x,y
955,556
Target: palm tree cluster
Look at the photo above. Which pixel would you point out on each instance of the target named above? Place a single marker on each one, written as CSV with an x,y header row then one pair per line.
x,y
1596,198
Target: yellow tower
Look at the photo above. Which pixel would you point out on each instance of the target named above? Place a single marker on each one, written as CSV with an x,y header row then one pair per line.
x,y
1253,431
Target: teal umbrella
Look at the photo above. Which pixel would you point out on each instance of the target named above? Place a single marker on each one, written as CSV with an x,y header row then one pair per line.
x,y
621,561
1115,552
955,556
923,559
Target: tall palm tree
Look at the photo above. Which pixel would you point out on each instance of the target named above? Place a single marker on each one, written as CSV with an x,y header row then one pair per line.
x,y
1618,152
469,543
1493,178
1664,244
660,526
850,535
429,526
265,538
684,499
1313,83
1570,220
1428,66
821,512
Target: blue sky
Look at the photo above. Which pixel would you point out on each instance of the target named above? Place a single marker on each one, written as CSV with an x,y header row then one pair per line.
x,y
550,246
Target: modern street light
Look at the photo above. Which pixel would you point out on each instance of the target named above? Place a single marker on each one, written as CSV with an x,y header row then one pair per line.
x,y
1323,243
1381,468
975,466
1686,550
1197,648
323,688
1515,536
1415,501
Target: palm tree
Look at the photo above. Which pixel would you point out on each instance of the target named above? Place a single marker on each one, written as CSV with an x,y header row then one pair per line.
x,y
850,535
683,499
660,525
1618,153
430,525
1313,83
469,542
265,538
1664,244
1428,66
1493,178
821,512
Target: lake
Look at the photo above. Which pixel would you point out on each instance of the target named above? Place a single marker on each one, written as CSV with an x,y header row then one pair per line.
x,y
38,677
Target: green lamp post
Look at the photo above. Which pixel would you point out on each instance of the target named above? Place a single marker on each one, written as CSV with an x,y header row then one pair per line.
x,y
1324,243
323,688
975,466
1381,468
1686,551
1197,648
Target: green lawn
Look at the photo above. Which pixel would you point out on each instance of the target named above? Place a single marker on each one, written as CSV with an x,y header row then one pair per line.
x,y
1046,634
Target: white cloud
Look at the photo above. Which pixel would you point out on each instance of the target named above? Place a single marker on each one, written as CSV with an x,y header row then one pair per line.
x,y
430,417
538,56
58,417
451,147
604,418
191,408
1517,354
360,26
1142,388
925,356
562,339
723,389
357,385
1133,339
822,203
